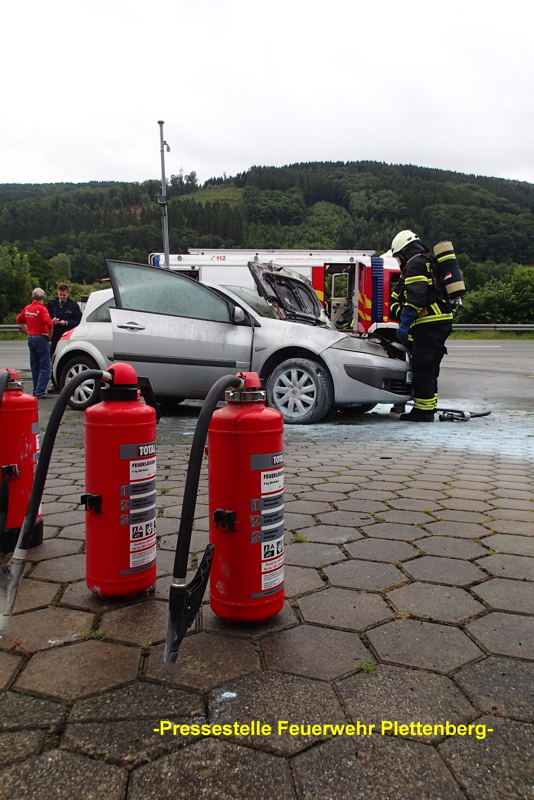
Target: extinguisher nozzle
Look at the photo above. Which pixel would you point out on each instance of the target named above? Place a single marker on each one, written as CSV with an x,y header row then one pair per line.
x,y
9,584
184,603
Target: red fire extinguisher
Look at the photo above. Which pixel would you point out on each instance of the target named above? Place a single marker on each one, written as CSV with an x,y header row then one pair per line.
x,y
246,505
19,450
120,485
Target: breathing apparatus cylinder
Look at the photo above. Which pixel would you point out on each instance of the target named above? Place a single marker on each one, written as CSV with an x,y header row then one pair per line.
x,y
450,270
19,450
120,485
246,505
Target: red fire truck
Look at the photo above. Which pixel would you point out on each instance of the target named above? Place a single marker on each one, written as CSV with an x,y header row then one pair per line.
x,y
354,285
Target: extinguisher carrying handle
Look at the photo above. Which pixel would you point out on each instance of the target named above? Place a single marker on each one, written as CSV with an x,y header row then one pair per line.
x,y
147,393
10,579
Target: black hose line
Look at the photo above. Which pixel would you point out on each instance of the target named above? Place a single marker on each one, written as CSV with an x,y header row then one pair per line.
x,y
193,471
45,454
5,375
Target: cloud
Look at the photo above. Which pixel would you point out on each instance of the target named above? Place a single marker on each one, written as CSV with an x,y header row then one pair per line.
x,y
241,83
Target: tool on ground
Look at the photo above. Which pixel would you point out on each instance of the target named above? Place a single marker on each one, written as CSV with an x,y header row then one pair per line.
x,y
450,414
19,449
454,415
246,505
120,486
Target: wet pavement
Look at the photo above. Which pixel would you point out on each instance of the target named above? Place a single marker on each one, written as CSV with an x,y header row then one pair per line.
x,y
403,657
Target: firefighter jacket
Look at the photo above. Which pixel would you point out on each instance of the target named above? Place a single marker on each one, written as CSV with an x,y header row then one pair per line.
x,y
419,287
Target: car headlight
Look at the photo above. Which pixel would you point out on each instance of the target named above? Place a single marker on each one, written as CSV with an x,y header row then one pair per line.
x,y
351,343
354,344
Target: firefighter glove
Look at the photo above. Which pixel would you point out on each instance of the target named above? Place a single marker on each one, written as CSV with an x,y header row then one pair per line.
x,y
407,317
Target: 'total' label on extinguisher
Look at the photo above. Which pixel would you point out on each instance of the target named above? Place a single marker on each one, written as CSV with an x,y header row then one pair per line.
x,y
272,471
142,459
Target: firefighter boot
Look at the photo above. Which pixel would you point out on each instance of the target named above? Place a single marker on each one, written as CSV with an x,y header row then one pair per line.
x,y
416,415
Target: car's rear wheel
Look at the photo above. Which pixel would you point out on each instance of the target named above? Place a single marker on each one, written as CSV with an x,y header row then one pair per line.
x,y
301,389
88,393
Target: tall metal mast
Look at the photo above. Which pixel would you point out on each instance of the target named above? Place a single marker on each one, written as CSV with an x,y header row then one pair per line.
x,y
162,199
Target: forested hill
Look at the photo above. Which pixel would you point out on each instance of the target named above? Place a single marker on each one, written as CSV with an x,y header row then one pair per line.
x,y
312,205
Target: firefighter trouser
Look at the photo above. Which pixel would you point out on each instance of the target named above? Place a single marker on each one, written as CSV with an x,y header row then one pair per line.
x,y
428,348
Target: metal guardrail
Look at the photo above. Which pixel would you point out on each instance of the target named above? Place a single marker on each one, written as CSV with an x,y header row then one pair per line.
x,y
493,327
485,327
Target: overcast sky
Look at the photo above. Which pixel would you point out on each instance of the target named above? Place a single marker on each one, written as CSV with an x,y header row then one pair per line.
x,y
248,82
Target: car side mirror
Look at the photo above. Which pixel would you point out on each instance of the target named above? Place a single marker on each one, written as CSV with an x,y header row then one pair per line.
x,y
238,314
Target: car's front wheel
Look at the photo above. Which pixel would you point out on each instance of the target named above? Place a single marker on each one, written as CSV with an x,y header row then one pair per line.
x,y
301,389
88,393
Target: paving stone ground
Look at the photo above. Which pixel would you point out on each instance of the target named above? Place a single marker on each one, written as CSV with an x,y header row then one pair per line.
x,y
409,617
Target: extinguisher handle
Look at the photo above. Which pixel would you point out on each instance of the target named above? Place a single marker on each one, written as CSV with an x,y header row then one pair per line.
x,y
147,393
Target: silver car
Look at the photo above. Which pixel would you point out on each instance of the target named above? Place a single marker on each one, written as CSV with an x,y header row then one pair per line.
x,y
184,335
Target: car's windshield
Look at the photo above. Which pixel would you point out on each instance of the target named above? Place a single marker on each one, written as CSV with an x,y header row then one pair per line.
x,y
253,299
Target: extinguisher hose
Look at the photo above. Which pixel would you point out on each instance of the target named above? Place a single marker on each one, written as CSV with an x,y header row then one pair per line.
x,y
9,582
193,471
5,375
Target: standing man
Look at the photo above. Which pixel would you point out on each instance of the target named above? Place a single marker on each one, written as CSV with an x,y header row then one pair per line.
x,y
36,322
66,314
421,305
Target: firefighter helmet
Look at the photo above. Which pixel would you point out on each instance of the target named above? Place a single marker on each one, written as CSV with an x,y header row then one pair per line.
x,y
401,240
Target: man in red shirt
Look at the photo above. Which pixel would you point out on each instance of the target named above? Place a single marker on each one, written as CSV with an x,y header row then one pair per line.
x,y
36,322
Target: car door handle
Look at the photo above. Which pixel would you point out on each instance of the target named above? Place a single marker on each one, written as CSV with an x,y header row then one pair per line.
x,y
132,326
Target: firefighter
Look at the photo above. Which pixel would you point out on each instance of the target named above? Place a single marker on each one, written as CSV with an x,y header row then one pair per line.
x,y
420,304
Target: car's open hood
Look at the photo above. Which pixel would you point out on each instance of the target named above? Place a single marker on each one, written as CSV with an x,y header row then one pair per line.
x,y
290,294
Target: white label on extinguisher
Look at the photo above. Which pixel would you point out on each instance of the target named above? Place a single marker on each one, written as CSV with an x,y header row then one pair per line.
x,y
275,563
272,579
137,545
144,468
142,530
143,557
272,481
272,549
267,503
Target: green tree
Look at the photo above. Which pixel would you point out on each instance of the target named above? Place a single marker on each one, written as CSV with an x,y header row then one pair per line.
x,y
61,266
191,182
16,283
506,301
327,226
272,206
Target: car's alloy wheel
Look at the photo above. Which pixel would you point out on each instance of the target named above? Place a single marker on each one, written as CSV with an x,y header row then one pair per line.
x,y
88,393
301,390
